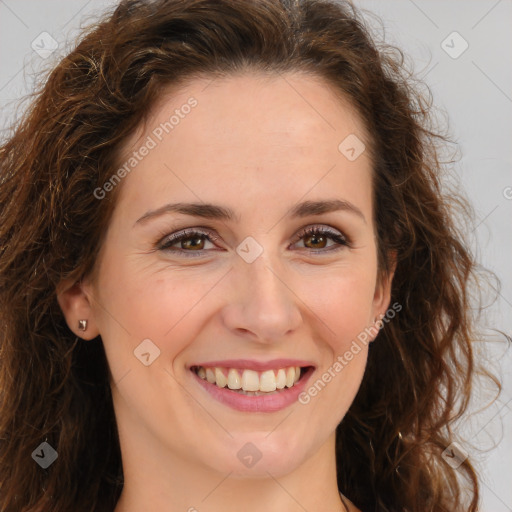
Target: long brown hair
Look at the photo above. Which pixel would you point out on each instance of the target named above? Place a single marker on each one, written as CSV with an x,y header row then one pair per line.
x,y
54,388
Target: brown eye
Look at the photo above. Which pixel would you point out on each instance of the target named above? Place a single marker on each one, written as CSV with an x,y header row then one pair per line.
x,y
318,241
316,238
188,241
196,243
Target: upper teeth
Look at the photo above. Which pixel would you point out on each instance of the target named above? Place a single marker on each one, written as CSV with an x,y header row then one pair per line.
x,y
250,380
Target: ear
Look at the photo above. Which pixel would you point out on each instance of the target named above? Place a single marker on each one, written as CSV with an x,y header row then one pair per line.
x,y
76,304
382,295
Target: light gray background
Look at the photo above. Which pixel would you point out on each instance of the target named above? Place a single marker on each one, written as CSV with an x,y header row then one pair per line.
x,y
475,89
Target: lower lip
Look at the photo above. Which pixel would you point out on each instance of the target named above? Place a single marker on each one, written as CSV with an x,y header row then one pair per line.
x,y
260,403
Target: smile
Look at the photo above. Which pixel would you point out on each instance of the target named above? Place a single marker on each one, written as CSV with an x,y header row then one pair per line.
x,y
249,386
250,382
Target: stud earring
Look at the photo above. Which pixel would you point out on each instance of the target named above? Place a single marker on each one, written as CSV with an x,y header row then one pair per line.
x,y
82,325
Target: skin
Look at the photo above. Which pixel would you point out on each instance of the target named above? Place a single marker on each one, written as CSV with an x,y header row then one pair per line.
x,y
258,145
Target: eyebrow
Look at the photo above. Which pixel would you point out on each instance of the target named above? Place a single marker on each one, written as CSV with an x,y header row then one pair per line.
x,y
211,211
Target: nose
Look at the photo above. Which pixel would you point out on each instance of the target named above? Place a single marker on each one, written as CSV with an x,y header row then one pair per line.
x,y
263,306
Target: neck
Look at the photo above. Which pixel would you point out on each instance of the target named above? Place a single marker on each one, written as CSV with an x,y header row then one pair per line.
x,y
164,482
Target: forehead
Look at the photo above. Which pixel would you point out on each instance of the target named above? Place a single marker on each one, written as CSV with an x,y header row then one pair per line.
x,y
250,133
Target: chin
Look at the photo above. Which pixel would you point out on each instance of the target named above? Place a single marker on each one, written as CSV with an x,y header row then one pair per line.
x,y
253,455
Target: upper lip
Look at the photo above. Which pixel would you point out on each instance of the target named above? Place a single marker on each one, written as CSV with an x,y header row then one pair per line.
x,y
252,364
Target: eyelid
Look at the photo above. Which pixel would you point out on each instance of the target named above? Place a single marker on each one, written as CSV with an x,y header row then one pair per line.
x,y
211,235
324,229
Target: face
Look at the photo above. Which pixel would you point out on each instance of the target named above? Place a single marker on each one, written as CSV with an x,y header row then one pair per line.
x,y
280,272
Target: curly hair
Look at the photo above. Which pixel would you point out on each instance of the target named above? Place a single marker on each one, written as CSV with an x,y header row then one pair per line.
x,y
67,144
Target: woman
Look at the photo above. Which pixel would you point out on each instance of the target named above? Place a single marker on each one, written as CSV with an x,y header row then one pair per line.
x,y
230,280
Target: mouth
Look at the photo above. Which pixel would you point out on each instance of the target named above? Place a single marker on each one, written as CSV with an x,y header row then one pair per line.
x,y
250,382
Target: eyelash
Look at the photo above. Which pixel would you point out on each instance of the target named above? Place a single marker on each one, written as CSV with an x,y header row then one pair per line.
x,y
190,233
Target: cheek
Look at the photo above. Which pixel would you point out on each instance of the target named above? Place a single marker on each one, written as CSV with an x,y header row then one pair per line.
x,y
343,307
343,301
163,306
